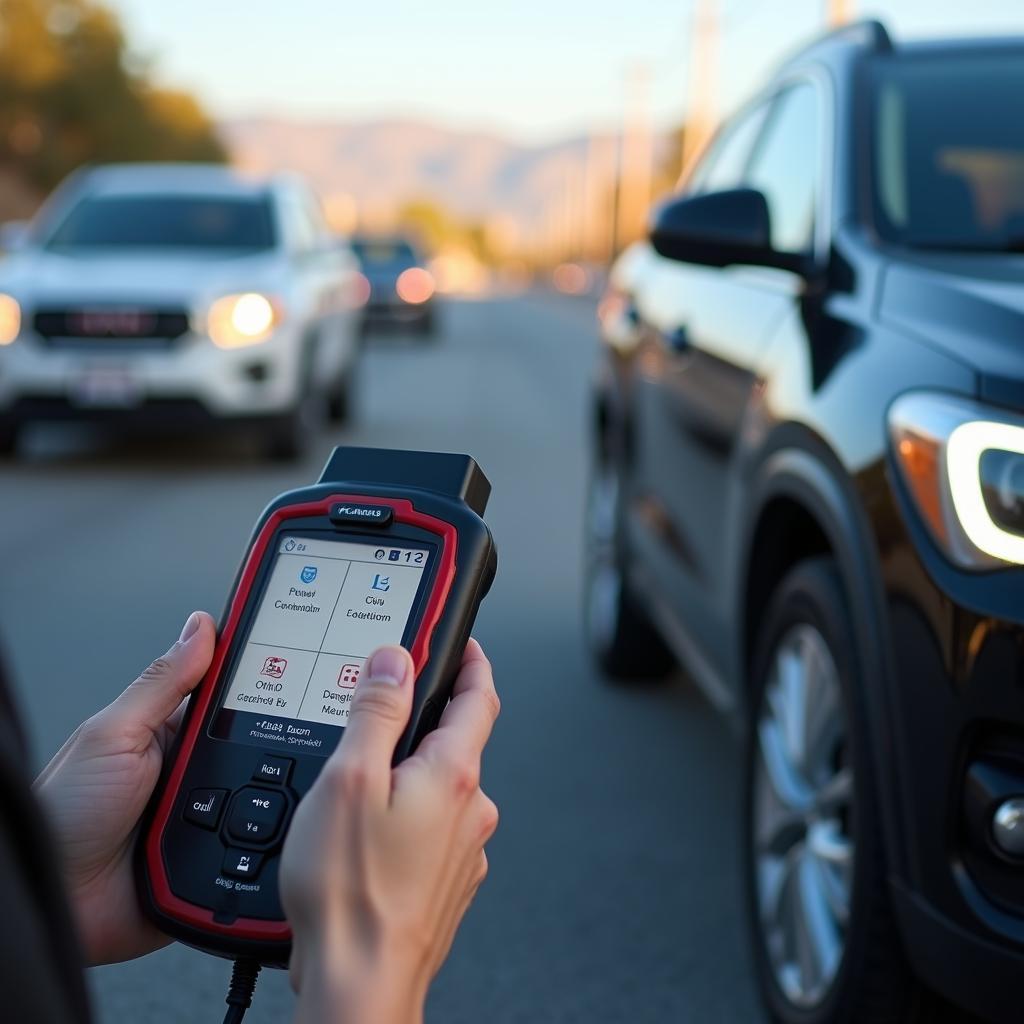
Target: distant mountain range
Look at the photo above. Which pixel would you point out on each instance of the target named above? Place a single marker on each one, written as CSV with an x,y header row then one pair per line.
x,y
384,163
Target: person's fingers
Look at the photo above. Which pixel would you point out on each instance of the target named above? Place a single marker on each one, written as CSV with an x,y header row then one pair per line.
x,y
473,652
173,723
160,689
380,712
166,735
467,721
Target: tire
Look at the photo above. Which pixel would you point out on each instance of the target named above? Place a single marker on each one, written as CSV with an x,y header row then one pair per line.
x,y
286,440
9,432
340,399
427,326
621,637
826,852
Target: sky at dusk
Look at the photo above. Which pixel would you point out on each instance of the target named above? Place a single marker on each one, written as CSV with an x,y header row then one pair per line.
x,y
533,70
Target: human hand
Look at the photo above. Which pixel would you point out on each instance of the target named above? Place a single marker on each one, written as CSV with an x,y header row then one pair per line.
x,y
98,784
381,863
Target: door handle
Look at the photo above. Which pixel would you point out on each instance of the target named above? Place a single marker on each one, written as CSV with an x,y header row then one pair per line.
x,y
677,338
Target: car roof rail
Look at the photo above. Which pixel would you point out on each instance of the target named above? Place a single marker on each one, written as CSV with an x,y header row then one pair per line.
x,y
868,33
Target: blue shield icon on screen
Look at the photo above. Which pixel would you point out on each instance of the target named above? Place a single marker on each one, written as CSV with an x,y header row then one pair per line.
x,y
308,574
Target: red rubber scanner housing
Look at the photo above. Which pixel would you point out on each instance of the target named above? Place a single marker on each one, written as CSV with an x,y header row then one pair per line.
x,y
165,901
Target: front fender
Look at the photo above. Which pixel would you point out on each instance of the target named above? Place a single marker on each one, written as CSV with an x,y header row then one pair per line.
x,y
798,467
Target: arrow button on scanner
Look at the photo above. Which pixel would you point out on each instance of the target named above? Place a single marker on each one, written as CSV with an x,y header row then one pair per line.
x,y
256,815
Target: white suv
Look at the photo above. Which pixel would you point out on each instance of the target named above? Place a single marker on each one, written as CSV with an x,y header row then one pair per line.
x,y
178,293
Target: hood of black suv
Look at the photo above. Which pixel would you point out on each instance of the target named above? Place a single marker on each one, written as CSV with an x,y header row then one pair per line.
x,y
969,305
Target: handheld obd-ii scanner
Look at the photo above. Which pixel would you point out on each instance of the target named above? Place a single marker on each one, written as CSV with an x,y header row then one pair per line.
x,y
388,547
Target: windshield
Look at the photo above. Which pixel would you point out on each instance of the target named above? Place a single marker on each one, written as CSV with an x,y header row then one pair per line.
x,y
166,222
948,152
383,253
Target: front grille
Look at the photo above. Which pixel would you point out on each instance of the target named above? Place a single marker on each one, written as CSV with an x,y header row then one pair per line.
x,y
110,326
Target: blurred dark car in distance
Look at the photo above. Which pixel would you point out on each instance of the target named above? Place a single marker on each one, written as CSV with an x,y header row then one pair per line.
x,y
399,290
178,295
808,490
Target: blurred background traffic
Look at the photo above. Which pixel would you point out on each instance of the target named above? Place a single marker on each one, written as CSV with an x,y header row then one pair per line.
x,y
506,143
236,235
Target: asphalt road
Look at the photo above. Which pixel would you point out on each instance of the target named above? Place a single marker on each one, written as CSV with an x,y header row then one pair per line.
x,y
613,891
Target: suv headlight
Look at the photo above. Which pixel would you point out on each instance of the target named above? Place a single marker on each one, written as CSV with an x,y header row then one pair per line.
x,y
963,463
235,321
10,319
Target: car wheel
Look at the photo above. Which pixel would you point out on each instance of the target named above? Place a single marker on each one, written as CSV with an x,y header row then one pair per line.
x,y
9,432
622,639
285,440
427,326
288,438
340,399
825,942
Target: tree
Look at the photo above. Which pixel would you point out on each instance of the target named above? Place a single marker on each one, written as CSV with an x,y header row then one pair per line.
x,y
69,97
437,228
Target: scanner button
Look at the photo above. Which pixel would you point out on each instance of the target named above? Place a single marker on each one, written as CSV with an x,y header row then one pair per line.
x,y
256,814
204,806
273,769
241,863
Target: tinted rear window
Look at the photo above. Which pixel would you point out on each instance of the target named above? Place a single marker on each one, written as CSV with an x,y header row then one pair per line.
x,y
167,222
384,253
948,149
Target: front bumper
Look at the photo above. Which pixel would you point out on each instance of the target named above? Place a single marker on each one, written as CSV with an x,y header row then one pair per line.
x,y
394,310
98,380
153,418
981,976
957,704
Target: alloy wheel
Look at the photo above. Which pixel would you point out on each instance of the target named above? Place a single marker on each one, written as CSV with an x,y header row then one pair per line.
x,y
803,854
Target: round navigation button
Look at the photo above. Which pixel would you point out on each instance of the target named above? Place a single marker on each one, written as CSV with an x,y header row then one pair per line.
x,y
256,815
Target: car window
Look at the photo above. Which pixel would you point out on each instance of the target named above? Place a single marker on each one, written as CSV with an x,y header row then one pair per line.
x,y
948,172
785,166
381,252
304,226
724,165
154,221
315,215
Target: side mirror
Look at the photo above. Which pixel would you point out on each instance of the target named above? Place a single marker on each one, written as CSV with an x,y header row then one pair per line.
x,y
718,229
14,235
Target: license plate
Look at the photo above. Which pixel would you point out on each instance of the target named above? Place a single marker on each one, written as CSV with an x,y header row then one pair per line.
x,y
106,386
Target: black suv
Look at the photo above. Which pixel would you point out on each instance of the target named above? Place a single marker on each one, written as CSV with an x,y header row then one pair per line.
x,y
808,490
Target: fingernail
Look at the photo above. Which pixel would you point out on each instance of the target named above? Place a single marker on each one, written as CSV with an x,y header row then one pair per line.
x,y
388,665
191,625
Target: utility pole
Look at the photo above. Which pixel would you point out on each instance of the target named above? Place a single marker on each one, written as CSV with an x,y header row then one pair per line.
x,y
838,12
700,118
635,166
599,198
578,193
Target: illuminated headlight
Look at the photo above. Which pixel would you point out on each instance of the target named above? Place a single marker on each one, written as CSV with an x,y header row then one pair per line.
x,y
10,319
963,463
235,321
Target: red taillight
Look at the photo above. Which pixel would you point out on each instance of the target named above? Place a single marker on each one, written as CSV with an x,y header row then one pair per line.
x,y
414,286
358,291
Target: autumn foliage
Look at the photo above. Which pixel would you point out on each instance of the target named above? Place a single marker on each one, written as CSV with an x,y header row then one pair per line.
x,y
72,94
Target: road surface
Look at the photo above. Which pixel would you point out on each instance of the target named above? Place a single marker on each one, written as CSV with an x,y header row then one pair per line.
x,y
613,887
